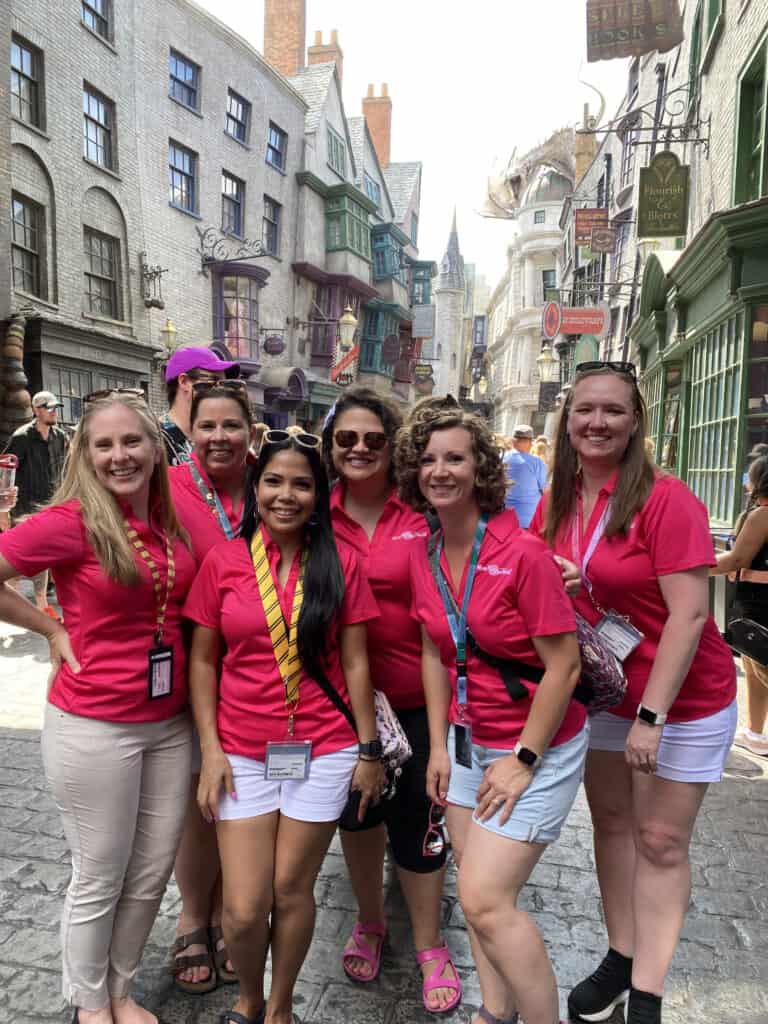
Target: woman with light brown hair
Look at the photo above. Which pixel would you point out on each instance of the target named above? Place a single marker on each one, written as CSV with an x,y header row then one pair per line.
x,y
116,738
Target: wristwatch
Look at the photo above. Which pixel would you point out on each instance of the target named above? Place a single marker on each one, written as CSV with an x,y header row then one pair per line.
x,y
650,717
528,757
370,751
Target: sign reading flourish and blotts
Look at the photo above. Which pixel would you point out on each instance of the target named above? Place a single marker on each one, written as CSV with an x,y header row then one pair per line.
x,y
662,209
629,28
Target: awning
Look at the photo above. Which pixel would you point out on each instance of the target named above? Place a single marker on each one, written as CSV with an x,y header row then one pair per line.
x,y
284,386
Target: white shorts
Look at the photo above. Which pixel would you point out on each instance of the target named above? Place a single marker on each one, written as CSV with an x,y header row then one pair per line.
x,y
321,797
689,751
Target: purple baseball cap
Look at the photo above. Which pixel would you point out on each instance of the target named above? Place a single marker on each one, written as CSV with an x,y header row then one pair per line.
x,y
195,357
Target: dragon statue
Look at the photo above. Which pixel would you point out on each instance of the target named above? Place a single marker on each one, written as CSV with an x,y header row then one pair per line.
x,y
506,188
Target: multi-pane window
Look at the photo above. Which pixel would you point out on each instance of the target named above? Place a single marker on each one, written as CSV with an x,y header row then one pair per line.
x,y
270,234
26,77
372,189
98,124
277,146
421,286
101,273
238,116
387,256
182,180
548,285
337,152
539,216
71,387
347,226
236,315
26,240
232,203
751,163
184,80
414,229
628,140
95,14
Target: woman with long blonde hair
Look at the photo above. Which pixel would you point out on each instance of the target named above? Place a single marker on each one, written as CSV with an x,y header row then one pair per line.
x,y
116,738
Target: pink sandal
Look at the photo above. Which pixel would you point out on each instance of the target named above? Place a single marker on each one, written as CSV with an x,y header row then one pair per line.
x,y
362,951
437,978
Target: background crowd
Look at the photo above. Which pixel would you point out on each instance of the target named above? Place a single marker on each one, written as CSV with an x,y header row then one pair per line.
x,y
312,598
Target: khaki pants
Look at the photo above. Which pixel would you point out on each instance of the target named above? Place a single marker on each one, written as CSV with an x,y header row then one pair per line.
x,y
122,791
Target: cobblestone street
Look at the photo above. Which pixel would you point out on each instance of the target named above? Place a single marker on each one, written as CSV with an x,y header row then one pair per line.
x,y
718,976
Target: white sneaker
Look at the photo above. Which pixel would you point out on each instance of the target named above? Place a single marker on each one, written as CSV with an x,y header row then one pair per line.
x,y
752,742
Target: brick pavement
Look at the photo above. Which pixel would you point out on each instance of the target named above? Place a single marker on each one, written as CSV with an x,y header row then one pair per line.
x,y
718,976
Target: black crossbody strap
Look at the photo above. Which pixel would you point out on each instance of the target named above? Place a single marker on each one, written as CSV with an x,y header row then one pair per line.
x,y
334,697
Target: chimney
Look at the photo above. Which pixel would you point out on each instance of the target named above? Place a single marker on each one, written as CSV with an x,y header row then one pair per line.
x,y
324,53
285,33
585,147
377,111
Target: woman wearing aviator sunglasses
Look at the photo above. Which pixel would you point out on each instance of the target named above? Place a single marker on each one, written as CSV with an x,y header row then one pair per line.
x,y
368,515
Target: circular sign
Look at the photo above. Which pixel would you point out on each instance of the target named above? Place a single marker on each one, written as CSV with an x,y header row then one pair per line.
x,y
551,319
274,345
390,349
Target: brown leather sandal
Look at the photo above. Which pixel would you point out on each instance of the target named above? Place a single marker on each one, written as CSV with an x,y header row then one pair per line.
x,y
199,937
220,956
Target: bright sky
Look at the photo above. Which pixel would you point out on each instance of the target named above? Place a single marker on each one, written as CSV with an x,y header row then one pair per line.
x,y
468,81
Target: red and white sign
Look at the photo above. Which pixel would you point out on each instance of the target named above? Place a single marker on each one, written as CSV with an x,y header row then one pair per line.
x,y
346,363
557,319
551,318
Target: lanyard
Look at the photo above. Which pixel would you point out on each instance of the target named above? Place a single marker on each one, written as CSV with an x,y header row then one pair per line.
x,y
212,500
457,621
161,599
594,540
284,642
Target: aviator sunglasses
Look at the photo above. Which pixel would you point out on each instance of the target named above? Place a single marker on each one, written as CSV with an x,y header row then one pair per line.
x,y
374,440
607,364
94,396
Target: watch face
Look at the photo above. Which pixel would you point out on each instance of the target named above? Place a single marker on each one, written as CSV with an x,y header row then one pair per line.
x,y
526,756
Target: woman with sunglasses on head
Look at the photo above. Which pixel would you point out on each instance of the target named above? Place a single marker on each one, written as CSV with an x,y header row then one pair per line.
x,y
116,738
208,493
639,542
508,769
279,752
367,514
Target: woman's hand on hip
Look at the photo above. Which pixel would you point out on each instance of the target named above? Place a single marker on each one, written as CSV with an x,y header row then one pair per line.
x,y
642,747
438,775
215,775
60,650
370,779
503,783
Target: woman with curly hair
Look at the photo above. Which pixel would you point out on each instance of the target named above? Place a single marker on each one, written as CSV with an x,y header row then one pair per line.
x,y
494,620
367,514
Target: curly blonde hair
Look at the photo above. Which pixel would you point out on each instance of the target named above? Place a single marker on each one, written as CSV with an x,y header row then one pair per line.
x,y
412,441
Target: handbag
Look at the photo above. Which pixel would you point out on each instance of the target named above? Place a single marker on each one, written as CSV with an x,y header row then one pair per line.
x,y
396,750
749,638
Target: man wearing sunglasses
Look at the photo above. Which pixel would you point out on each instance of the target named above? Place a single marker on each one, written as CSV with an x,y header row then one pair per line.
x,y
186,367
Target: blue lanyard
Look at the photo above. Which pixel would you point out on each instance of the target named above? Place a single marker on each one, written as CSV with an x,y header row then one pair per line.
x,y
457,620
212,500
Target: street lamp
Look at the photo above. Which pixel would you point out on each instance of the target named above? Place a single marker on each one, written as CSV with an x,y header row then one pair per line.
x,y
169,336
347,328
546,364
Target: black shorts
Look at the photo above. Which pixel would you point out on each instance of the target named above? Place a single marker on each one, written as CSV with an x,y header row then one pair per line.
x,y
406,814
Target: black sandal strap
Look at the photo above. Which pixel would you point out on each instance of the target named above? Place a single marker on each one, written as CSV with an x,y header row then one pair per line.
x,y
233,1017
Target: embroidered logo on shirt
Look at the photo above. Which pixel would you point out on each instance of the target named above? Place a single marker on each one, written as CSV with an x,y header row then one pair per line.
x,y
410,535
493,570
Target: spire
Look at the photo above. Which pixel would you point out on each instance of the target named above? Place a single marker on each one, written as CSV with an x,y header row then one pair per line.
x,y
452,266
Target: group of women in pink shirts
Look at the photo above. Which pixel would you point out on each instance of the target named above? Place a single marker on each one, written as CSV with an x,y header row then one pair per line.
x,y
274,591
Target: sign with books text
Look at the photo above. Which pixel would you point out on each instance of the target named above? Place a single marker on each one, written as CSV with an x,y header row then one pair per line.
x,y
662,208
629,28
586,220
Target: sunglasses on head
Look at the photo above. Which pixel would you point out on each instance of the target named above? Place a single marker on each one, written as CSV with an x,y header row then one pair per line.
x,y
607,364
434,838
281,436
202,387
374,440
94,396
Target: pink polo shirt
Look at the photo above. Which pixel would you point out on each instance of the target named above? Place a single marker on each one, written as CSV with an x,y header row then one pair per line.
x,y
251,709
111,626
194,513
669,534
517,594
394,639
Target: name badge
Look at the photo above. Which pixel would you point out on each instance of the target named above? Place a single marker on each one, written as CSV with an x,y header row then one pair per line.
x,y
287,761
463,745
160,672
621,636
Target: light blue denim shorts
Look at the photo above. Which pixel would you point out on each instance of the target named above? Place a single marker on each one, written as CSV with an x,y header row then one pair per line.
x,y
540,813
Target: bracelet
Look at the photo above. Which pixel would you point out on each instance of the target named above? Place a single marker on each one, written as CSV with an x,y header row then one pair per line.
x,y
371,760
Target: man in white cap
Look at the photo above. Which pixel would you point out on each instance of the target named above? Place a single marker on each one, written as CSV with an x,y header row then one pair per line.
x,y
184,368
41,447
526,473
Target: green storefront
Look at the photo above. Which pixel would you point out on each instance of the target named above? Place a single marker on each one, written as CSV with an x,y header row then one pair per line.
x,y
702,333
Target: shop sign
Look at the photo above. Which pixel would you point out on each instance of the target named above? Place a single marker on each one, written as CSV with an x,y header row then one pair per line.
x,y
423,325
629,28
214,246
390,349
586,220
557,319
551,318
274,345
662,209
422,371
344,379
603,240
345,365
